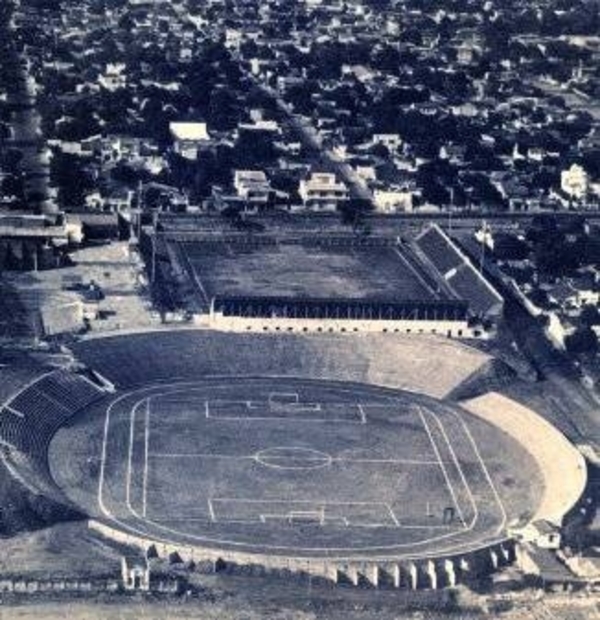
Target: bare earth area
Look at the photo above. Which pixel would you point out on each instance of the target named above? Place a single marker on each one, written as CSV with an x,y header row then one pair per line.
x,y
112,267
245,600
67,550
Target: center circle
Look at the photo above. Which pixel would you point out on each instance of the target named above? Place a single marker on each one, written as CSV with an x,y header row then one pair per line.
x,y
293,457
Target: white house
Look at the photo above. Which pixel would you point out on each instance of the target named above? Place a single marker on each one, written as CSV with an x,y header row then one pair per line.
x,y
188,138
574,182
113,77
391,141
393,200
252,186
322,191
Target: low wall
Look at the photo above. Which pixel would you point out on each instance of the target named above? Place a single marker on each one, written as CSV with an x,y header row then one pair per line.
x,y
563,467
35,586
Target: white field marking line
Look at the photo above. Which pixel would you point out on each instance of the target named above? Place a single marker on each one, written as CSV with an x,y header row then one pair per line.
x,y
444,471
170,395
215,401
393,515
194,275
211,510
16,412
354,553
389,508
452,488
191,455
130,456
266,405
293,407
486,472
286,516
264,518
304,513
257,404
283,418
29,384
458,466
414,271
146,452
103,457
255,457
286,502
363,414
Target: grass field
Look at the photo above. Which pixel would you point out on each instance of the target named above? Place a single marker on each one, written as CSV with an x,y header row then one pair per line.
x,y
336,465
297,271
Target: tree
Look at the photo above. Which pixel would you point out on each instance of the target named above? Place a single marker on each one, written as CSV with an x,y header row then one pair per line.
x,y
590,315
73,180
583,340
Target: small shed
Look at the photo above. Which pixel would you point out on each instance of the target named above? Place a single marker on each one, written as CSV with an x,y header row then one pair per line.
x,y
135,572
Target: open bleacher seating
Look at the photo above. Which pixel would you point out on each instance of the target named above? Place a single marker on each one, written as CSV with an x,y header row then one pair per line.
x,y
459,273
29,419
437,249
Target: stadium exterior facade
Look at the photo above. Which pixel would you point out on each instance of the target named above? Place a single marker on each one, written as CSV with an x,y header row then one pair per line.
x,y
447,318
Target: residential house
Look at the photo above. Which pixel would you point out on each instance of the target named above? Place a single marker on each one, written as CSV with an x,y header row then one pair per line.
x,y
189,138
253,186
322,192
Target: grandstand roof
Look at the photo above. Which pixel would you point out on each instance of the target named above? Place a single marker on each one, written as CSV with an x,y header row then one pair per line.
x,y
372,309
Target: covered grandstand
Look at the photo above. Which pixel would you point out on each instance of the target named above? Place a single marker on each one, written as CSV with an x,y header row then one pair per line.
x,y
342,309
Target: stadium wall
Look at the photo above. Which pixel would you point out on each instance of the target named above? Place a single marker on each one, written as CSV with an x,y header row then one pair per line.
x,y
450,329
412,573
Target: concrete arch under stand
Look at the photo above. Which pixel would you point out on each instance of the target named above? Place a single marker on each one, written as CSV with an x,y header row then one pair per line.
x,y
430,573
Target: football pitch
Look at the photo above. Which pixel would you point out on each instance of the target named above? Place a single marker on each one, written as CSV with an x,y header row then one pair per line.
x,y
319,272
294,467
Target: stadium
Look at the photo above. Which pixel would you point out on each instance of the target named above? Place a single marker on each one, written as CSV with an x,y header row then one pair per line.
x,y
291,281
359,458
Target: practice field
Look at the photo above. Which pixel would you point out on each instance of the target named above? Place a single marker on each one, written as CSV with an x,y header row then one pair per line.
x,y
290,467
338,272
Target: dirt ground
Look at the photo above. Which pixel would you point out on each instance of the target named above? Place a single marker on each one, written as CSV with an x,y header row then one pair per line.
x,y
66,550
260,603
115,268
